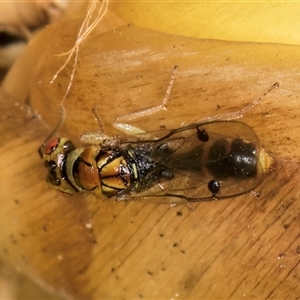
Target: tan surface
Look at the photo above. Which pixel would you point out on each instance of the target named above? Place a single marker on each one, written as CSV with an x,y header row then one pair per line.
x,y
226,249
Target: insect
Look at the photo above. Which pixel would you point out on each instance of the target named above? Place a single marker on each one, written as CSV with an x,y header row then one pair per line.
x,y
203,161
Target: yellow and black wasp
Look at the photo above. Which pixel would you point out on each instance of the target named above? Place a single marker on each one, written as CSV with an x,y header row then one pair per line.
x,y
203,161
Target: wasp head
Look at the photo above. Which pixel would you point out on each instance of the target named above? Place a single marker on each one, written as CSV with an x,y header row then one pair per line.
x,y
54,153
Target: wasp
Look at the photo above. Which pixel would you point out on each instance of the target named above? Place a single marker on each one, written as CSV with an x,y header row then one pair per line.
x,y
203,161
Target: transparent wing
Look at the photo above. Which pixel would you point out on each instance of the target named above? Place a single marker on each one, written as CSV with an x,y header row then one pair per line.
x,y
226,152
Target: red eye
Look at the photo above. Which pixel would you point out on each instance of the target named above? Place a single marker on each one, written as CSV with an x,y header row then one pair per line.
x,y
51,146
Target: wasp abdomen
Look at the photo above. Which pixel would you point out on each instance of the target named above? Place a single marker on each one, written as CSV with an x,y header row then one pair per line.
x,y
237,159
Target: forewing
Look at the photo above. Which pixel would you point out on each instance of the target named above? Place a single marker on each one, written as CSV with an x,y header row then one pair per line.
x,y
190,161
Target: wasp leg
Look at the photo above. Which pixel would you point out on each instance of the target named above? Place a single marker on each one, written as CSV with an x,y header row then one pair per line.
x,y
99,137
239,114
121,123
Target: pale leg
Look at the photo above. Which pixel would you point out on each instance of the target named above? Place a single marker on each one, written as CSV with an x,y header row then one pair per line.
x,y
240,114
121,123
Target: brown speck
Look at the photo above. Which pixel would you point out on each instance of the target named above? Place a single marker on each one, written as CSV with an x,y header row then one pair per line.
x,y
13,239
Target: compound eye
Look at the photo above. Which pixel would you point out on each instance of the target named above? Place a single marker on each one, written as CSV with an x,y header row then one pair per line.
x,y
51,146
